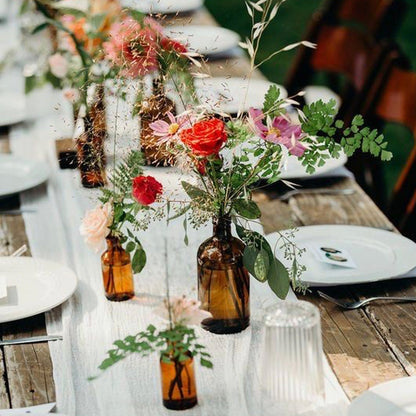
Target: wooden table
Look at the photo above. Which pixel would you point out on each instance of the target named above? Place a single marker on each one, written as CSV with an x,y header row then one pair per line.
x,y
364,347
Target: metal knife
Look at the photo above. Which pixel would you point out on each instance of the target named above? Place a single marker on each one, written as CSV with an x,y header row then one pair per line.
x,y
31,340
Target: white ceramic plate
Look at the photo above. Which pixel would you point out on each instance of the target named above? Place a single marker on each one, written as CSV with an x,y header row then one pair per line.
x,y
34,286
164,6
394,398
295,170
20,174
205,40
12,108
378,254
230,95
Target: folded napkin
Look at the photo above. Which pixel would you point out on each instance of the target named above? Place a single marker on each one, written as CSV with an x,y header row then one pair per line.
x,y
3,287
43,409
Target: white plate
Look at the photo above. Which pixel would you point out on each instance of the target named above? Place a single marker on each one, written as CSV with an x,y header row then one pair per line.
x,y
295,170
164,6
229,95
34,286
378,254
394,398
20,174
12,108
205,40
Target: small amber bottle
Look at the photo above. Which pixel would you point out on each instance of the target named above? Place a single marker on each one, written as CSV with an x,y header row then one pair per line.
x,y
155,107
90,144
178,383
223,281
117,271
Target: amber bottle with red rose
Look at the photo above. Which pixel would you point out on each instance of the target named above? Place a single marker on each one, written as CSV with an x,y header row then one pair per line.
x,y
117,271
223,281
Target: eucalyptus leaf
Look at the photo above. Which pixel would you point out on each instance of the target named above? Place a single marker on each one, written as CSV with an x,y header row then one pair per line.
x,y
247,209
194,192
261,266
278,279
139,259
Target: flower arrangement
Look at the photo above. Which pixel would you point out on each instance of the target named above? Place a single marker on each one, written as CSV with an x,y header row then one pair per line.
x,y
116,215
230,157
177,345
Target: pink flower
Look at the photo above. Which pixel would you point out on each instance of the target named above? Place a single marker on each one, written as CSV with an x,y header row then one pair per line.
x,y
183,311
133,48
71,94
95,226
58,65
169,132
278,131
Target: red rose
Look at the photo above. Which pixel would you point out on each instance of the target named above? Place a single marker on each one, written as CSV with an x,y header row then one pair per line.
x,y
206,137
146,189
171,45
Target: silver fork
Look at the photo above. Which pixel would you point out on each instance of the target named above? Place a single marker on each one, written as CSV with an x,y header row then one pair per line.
x,y
360,303
322,191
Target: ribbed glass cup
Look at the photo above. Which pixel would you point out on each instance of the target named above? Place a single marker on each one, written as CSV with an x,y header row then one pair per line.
x,y
292,370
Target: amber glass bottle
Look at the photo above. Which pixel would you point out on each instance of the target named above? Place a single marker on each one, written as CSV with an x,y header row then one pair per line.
x,y
117,271
178,383
90,145
223,281
155,108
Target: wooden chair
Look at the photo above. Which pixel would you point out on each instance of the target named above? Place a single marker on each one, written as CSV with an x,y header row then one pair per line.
x,y
351,55
377,19
392,98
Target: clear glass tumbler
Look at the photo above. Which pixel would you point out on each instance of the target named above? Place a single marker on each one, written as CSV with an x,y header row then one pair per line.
x,y
292,375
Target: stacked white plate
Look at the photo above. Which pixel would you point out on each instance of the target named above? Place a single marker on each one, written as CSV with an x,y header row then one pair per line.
x,y
164,6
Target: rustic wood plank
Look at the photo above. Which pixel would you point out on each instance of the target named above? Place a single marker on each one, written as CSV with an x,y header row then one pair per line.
x,y
26,370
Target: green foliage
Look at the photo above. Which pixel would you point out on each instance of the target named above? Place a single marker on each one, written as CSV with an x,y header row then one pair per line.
x,y
246,208
324,132
174,343
272,104
125,208
261,262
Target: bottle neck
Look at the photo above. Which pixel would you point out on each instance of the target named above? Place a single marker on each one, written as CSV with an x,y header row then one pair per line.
x,y
113,243
222,227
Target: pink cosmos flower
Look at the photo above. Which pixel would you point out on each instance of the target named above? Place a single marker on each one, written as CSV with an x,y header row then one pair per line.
x,y
133,47
183,311
278,131
169,132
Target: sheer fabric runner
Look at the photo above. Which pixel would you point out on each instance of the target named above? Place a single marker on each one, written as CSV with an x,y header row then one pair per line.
x,y
89,323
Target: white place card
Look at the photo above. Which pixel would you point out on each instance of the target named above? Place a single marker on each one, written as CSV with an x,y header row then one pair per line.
x,y
3,287
40,410
336,256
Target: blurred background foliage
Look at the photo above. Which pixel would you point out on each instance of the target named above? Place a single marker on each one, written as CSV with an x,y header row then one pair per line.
x,y
290,26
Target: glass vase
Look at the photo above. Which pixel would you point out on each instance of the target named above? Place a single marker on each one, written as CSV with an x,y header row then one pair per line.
x,y
90,144
117,271
178,383
155,107
223,281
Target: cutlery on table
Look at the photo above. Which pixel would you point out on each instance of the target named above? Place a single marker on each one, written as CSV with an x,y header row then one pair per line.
x,y
322,191
16,211
360,303
19,251
31,340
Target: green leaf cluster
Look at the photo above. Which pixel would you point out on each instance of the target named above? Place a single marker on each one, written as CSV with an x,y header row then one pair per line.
x,y
175,343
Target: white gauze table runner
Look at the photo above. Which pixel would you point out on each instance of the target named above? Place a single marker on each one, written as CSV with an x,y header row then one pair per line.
x,y
89,323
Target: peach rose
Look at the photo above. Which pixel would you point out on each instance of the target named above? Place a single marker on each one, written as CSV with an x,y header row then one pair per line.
x,y
95,226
